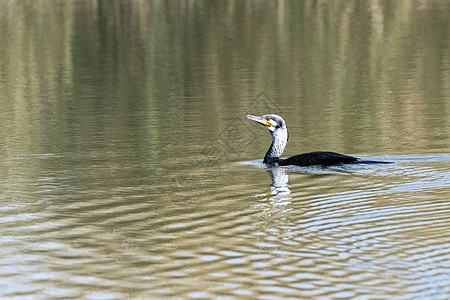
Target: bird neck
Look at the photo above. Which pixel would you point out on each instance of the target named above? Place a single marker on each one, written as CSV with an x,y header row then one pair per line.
x,y
279,141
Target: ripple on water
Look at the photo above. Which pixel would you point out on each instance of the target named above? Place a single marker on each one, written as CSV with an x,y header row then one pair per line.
x,y
341,233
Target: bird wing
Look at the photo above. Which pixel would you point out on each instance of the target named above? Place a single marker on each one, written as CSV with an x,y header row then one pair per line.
x,y
319,158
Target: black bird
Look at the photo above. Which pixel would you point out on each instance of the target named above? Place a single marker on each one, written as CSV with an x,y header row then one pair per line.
x,y
278,131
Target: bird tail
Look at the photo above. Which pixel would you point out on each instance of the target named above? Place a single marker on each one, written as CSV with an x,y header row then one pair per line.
x,y
369,162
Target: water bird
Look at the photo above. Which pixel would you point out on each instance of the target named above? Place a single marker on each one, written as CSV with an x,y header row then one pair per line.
x,y
278,130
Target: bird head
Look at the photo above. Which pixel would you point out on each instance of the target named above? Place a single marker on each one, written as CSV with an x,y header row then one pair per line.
x,y
270,121
278,130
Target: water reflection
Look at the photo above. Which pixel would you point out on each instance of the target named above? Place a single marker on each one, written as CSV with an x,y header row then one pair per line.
x,y
280,180
362,87
279,191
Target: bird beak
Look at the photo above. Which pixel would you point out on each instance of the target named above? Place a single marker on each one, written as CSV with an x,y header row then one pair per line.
x,y
260,120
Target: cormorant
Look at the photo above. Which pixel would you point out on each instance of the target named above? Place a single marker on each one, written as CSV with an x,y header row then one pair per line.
x,y
278,131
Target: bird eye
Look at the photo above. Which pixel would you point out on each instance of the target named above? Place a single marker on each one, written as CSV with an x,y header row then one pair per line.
x,y
268,119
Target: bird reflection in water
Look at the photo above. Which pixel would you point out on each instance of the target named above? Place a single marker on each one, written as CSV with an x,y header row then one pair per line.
x,y
279,191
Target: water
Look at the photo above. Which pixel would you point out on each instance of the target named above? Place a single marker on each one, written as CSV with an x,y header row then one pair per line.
x,y
127,169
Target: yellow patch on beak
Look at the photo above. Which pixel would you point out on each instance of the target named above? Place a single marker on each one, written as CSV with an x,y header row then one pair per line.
x,y
268,123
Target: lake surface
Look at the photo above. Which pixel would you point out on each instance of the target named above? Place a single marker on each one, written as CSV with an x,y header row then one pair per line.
x,y
128,170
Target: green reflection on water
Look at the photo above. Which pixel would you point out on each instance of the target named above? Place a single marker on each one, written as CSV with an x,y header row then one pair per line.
x,y
347,76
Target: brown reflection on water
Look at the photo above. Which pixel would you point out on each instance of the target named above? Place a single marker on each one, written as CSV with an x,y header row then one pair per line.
x,y
359,77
